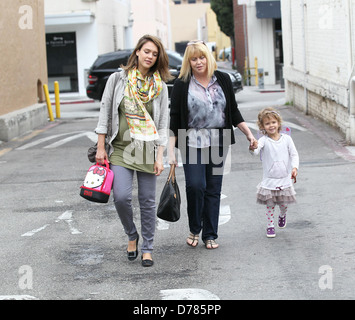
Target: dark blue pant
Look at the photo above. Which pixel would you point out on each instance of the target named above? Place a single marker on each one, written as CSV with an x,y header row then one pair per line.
x,y
203,178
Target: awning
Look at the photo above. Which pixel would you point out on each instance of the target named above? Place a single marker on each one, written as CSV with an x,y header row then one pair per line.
x,y
268,9
80,17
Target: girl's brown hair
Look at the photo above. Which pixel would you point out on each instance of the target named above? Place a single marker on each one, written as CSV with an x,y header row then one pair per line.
x,y
268,113
162,63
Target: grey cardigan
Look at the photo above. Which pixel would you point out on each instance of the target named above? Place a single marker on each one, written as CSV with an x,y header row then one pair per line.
x,y
111,99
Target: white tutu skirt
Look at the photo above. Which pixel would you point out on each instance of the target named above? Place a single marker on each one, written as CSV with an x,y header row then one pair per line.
x,y
272,197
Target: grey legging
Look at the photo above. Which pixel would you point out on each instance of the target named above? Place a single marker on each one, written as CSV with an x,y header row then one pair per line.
x,y
122,194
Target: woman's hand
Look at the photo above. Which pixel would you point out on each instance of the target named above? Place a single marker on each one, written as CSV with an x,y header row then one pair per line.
x,y
101,154
158,164
245,129
158,167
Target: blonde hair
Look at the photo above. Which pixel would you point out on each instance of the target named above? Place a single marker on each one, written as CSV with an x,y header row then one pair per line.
x,y
196,48
268,113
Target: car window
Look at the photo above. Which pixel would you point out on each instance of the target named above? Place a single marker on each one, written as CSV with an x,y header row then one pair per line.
x,y
175,60
110,62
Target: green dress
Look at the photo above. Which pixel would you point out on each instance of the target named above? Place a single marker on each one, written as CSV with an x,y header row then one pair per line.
x,y
125,153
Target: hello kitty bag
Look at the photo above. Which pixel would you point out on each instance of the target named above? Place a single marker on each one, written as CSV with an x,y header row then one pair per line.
x,y
98,183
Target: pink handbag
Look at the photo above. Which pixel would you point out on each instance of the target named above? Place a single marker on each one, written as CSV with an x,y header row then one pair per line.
x,y
98,183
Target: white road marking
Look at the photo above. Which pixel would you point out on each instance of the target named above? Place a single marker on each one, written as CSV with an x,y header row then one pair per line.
x,y
224,214
66,216
32,232
39,141
91,135
18,297
162,225
187,294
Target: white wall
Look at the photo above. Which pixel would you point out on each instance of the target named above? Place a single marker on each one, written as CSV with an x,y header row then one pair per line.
x,y
319,56
261,44
151,17
94,34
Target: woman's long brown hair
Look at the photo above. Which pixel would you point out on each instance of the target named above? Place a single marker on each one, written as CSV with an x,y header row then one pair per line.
x,y
162,63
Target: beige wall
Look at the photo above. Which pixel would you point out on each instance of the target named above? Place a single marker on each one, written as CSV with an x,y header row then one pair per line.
x,y
151,17
184,20
184,24
23,53
214,32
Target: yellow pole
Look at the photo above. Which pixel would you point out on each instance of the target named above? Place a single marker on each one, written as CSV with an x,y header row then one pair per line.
x,y
256,72
49,107
57,101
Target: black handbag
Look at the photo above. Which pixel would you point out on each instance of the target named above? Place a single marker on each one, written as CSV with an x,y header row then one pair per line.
x,y
92,151
170,200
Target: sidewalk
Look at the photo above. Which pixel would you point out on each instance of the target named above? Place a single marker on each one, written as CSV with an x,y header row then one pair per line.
x,y
70,99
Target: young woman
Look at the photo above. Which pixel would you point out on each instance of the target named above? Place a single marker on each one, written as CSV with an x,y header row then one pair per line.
x,y
203,113
134,120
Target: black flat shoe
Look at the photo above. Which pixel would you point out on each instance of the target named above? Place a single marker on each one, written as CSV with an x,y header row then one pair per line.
x,y
147,262
132,255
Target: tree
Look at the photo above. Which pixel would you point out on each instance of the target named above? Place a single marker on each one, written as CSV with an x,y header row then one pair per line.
x,y
224,12
225,17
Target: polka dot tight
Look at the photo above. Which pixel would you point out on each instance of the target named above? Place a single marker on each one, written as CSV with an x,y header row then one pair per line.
x,y
270,212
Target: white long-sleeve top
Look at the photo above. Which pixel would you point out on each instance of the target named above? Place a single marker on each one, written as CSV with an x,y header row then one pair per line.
x,y
278,159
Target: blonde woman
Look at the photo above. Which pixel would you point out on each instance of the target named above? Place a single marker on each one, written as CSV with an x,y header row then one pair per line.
x,y
203,113
134,120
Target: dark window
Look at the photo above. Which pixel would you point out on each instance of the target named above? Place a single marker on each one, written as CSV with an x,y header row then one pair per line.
x,y
62,61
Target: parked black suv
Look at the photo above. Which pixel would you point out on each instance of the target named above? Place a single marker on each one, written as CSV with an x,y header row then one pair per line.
x,y
108,63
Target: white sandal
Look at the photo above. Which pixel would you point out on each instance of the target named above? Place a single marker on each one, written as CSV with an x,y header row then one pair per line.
x,y
193,238
211,244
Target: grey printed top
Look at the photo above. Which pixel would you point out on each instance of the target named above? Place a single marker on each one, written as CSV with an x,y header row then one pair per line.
x,y
206,108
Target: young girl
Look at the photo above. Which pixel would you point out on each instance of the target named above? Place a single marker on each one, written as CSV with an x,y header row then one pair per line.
x,y
280,165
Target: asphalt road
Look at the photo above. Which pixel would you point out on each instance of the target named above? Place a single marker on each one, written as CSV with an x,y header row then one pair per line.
x,y
56,245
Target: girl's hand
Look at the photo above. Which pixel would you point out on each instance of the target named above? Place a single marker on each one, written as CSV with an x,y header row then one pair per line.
x,y
294,175
253,144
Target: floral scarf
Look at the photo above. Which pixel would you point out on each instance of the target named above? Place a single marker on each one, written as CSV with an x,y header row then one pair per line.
x,y
139,91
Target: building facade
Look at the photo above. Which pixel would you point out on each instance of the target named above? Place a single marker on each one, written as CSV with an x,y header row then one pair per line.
x,y
194,19
151,17
258,34
23,67
77,31
319,57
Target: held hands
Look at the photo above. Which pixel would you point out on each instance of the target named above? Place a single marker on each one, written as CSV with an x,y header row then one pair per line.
x,y
253,144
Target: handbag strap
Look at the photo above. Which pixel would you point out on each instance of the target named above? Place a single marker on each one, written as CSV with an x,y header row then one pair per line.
x,y
172,173
105,164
